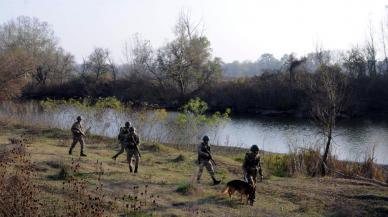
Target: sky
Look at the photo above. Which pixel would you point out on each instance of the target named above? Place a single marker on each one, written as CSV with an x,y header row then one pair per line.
x,y
237,29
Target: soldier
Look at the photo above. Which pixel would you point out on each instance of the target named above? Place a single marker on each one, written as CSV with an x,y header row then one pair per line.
x,y
124,131
252,166
205,159
78,135
132,143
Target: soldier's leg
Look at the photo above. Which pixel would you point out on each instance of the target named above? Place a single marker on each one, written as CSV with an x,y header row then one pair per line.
x,y
210,169
129,158
75,140
249,178
200,170
254,179
261,174
82,142
120,152
137,158
246,178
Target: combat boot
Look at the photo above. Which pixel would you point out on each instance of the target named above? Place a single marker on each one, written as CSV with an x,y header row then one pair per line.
x,y
215,181
135,169
130,169
82,154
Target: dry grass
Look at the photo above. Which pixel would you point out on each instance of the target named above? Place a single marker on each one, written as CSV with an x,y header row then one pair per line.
x,y
99,186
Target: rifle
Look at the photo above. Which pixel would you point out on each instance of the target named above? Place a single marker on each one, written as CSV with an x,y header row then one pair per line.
x,y
210,156
80,132
134,145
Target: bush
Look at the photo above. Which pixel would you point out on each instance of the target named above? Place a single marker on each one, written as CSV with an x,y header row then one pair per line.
x,y
19,195
277,164
64,173
187,189
180,158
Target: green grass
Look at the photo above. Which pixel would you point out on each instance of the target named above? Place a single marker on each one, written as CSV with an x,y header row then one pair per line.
x,y
169,172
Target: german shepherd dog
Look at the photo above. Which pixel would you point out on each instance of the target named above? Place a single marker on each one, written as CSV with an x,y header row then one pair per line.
x,y
243,188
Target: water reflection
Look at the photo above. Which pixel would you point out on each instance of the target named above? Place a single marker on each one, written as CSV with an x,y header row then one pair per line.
x,y
353,138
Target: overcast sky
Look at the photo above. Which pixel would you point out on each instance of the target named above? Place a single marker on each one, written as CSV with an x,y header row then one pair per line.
x,y
237,29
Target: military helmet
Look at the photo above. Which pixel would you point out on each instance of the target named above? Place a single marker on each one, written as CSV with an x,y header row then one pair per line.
x,y
127,124
79,118
254,148
132,129
205,138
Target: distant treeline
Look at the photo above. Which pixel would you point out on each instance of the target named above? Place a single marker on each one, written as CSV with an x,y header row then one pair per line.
x,y
272,93
33,66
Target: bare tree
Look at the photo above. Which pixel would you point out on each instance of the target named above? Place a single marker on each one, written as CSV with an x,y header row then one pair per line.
x,y
370,51
36,39
98,62
329,89
385,65
186,62
140,58
355,63
15,66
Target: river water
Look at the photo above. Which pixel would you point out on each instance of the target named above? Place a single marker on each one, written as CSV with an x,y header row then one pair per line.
x,y
353,138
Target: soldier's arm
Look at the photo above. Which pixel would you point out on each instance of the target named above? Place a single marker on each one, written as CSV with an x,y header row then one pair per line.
x,y
119,137
202,153
246,159
259,161
74,128
137,139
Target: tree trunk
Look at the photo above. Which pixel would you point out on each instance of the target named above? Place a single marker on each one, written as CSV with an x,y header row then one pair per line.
x,y
326,153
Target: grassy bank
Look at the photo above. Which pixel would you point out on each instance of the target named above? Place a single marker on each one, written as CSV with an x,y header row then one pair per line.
x,y
68,185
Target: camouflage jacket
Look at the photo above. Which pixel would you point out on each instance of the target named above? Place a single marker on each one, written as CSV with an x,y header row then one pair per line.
x,y
203,152
251,161
124,131
132,140
76,129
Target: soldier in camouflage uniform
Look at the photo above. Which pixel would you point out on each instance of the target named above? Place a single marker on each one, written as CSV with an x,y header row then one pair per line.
x,y
132,142
252,166
124,132
205,160
78,135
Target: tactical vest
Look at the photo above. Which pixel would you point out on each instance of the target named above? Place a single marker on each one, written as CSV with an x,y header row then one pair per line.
x,y
206,149
251,160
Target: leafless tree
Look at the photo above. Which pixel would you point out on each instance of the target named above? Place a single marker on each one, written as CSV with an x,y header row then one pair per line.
x,y
15,66
186,62
36,39
140,58
355,63
329,89
370,52
98,62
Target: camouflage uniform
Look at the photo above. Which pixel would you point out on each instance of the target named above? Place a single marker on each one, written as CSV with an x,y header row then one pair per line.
x,y
251,167
204,160
132,142
78,134
124,132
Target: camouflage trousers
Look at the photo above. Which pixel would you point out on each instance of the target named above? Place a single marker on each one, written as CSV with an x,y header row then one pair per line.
x,y
250,175
132,153
80,140
122,148
209,167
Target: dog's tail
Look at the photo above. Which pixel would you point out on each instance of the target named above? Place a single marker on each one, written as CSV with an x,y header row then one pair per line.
x,y
226,189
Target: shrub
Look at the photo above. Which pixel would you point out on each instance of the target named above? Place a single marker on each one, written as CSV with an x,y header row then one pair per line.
x,y
19,195
180,158
187,189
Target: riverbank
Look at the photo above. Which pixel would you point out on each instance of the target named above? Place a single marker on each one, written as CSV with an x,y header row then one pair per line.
x,y
167,173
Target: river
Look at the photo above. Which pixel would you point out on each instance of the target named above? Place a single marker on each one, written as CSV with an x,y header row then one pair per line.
x,y
353,138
